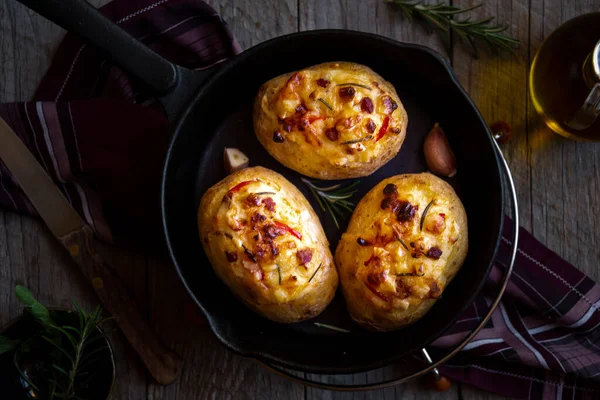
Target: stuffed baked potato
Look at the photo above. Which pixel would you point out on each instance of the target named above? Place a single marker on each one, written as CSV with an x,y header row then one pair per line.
x,y
331,121
406,240
266,243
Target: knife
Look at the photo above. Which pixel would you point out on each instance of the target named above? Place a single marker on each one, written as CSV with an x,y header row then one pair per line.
x,y
78,238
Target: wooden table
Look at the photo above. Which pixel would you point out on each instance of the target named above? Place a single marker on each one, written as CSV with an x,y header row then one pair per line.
x,y
558,182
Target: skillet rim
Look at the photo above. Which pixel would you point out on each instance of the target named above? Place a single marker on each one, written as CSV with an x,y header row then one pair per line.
x,y
222,69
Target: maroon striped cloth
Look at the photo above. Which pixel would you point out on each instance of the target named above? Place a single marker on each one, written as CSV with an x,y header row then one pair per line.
x,y
98,134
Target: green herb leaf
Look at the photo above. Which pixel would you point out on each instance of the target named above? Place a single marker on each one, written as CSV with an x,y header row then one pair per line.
x,y
331,327
263,193
442,17
326,104
314,273
279,273
333,199
424,215
354,84
7,344
369,137
36,309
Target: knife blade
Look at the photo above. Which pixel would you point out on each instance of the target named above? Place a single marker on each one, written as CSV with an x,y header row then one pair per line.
x,y
78,238
45,196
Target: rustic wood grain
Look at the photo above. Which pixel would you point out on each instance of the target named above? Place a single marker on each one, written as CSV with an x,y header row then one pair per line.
x,y
558,183
566,187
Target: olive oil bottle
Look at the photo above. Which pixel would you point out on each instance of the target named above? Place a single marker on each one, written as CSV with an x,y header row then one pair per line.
x,y
557,81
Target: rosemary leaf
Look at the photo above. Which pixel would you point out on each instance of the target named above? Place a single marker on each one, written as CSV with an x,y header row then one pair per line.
x,y
442,17
314,273
402,243
326,104
354,84
279,273
265,193
424,215
333,199
7,344
359,140
333,328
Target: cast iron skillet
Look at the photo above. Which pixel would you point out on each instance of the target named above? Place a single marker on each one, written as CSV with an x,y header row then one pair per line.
x,y
210,110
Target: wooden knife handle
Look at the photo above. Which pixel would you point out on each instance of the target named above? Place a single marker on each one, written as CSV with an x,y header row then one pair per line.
x,y
162,363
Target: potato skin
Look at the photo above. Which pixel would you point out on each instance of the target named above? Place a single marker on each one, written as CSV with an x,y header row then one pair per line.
x,y
386,285
247,236
302,118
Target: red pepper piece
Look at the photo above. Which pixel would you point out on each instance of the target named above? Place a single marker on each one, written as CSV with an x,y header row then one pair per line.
x,y
239,186
288,229
314,118
383,129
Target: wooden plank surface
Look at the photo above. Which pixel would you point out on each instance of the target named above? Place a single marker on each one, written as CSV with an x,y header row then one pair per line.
x,y
558,183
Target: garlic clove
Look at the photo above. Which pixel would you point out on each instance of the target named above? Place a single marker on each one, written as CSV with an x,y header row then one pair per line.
x,y
234,160
438,154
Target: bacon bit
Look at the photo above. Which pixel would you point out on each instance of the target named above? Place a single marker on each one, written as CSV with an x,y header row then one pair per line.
x,y
272,231
304,256
289,230
391,203
373,256
301,109
406,211
237,187
402,291
442,215
383,129
390,189
366,105
322,82
376,278
261,250
434,253
347,93
257,217
376,293
389,104
435,291
371,126
287,126
269,204
332,134
274,251
253,200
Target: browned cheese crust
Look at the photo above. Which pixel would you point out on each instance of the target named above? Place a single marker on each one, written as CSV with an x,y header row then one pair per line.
x,y
331,121
266,243
391,269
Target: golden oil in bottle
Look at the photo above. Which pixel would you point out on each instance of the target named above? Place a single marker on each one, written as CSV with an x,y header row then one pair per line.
x,y
556,81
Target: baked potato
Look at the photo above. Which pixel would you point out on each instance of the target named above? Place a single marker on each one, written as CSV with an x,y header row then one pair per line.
x,y
406,240
331,121
266,243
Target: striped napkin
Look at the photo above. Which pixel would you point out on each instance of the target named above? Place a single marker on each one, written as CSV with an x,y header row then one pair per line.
x,y
102,138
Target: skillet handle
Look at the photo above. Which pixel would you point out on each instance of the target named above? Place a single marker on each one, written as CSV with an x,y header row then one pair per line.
x,y
78,17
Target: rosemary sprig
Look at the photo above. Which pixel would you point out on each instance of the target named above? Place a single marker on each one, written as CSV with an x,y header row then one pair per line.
x,y
424,215
354,84
441,17
334,199
314,273
364,139
326,104
331,327
73,352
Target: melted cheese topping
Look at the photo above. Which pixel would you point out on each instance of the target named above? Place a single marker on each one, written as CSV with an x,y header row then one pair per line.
x,y
345,113
264,239
405,243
